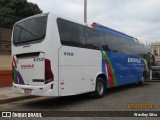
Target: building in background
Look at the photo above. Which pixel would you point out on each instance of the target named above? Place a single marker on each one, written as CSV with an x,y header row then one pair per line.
x,y
155,48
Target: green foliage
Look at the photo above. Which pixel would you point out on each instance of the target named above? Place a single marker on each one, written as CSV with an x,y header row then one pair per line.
x,y
19,8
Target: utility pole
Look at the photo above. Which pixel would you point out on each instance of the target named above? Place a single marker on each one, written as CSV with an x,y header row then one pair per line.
x,y
85,12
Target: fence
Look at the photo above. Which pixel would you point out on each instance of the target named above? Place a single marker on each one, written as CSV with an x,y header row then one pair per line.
x,y
6,25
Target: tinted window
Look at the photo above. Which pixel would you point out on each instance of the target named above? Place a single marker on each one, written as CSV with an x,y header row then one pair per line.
x,y
94,38
32,29
140,49
110,42
106,43
71,34
123,45
132,46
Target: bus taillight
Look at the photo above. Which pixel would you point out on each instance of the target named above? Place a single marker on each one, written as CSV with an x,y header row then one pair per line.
x,y
48,72
12,72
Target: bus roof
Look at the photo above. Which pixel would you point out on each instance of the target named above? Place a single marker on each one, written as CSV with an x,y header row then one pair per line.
x,y
107,29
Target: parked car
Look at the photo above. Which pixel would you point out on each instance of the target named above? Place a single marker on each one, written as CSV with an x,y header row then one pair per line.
x,y
156,70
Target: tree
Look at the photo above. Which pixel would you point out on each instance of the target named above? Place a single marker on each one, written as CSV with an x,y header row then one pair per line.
x,y
19,8
13,10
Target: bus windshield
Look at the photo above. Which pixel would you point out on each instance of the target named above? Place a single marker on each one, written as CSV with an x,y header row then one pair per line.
x,y
31,30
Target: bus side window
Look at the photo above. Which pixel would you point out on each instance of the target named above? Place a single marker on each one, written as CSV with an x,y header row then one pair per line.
x,y
71,34
123,45
106,48
132,46
110,43
93,38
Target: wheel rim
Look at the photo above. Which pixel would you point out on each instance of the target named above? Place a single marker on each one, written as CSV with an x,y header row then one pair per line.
x,y
100,88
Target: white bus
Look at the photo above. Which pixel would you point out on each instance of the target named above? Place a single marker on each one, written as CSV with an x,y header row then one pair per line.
x,y
53,56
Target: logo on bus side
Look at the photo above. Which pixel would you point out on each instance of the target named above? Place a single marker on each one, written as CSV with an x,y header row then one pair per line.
x,y
29,66
38,59
68,54
134,60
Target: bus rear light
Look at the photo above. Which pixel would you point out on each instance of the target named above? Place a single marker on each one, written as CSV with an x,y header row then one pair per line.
x,y
12,72
48,72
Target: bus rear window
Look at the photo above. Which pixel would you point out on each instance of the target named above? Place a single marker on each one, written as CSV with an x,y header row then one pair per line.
x,y
31,30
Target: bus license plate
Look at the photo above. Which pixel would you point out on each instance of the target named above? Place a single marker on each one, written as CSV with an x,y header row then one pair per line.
x,y
27,91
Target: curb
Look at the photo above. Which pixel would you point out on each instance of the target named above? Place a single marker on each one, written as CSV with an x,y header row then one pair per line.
x,y
16,99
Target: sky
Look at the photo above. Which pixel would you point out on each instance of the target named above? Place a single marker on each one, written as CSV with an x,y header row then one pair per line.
x,y
137,18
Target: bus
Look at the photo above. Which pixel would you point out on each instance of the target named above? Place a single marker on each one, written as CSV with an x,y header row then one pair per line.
x,y
54,56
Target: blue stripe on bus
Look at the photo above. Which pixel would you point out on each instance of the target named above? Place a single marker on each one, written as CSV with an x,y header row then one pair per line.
x,y
106,29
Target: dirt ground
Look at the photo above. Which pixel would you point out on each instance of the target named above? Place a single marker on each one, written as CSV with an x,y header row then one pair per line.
x,y
5,62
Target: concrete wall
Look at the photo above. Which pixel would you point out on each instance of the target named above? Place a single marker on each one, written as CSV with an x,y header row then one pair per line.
x,y
5,78
5,70
5,62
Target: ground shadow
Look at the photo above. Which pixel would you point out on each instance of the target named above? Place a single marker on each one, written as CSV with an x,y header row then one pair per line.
x,y
59,102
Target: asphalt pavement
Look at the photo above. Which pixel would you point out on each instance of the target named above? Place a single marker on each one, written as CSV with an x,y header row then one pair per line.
x,y
7,95
115,99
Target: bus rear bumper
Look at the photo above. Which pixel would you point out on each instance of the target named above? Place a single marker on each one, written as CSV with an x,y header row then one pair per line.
x,y
45,90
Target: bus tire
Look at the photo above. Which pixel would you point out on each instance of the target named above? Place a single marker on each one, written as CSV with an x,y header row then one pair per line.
x,y
99,88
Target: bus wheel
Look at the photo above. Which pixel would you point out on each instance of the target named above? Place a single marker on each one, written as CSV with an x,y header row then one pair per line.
x,y
100,88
